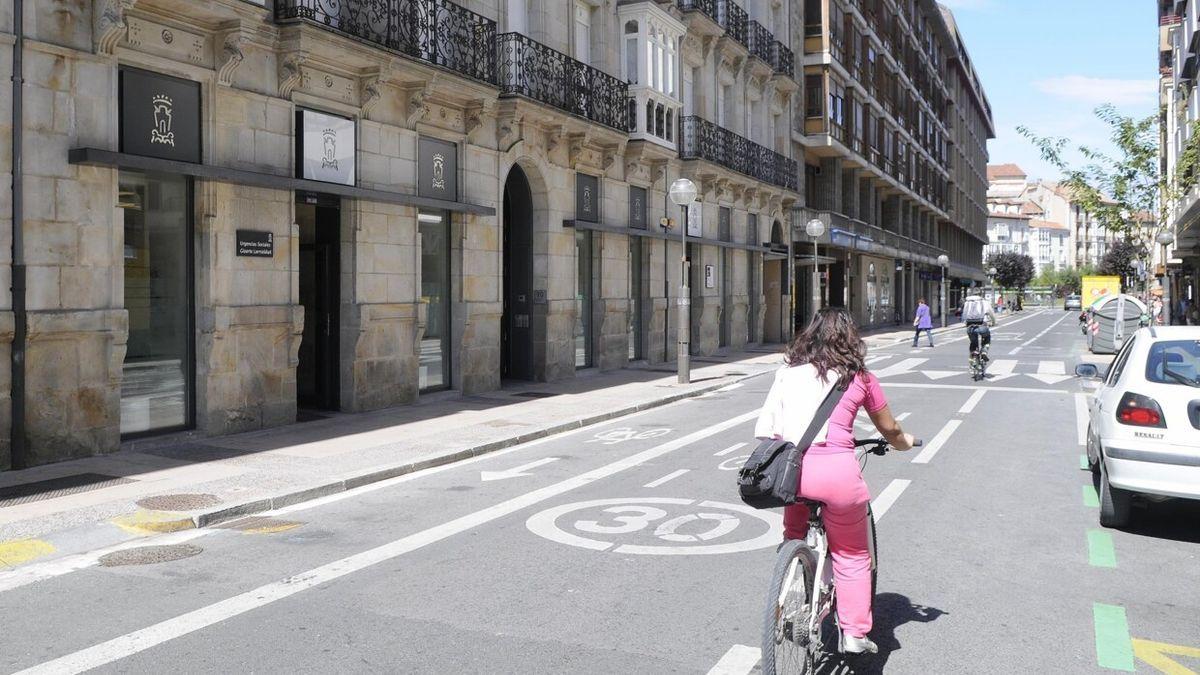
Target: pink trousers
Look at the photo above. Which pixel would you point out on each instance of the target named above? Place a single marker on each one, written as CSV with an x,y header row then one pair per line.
x,y
836,481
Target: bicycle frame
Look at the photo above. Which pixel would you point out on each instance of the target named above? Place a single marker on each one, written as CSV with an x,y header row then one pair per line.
x,y
823,590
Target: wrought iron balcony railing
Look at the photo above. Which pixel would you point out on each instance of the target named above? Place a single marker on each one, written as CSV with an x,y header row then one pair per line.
x,y
529,68
436,31
701,139
782,60
708,7
760,41
734,20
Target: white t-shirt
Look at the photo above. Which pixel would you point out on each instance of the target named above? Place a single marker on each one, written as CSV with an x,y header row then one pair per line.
x,y
803,391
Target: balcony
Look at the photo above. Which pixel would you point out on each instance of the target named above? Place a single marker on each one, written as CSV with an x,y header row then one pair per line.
x,y
707,7
783,62
526,67
760,41
734,20
701,139
435,31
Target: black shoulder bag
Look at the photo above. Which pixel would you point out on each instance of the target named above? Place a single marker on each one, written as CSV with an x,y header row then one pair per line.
x,y
771,477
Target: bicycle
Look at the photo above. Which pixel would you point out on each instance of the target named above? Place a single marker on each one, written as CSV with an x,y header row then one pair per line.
x,y
978,362
802,595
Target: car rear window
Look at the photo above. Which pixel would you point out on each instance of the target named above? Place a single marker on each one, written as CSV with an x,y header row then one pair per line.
x,y
1181,357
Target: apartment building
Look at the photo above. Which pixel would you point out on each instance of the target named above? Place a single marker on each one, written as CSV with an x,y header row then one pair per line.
x,y
1177,264
893,128
235,211
1019,223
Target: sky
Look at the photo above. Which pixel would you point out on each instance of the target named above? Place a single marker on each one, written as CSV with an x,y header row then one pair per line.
x,y
1049,64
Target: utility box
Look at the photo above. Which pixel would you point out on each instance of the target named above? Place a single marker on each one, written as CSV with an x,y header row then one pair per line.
x,y
1115,318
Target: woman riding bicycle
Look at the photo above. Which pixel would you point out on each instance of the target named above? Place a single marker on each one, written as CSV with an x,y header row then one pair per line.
x,y
830,348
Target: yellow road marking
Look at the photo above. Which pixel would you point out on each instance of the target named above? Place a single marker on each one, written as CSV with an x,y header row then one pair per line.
x,y
1156,654
152,522
18,551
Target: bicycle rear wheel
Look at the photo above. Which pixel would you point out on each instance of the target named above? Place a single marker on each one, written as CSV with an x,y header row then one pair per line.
x,y
785,640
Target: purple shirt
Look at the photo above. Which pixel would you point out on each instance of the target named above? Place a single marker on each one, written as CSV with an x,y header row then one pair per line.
x,y
923,320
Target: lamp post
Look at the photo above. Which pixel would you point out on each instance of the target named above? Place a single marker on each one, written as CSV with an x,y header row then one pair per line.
x,y
815,228
683,192
991,295
943,260
1165,239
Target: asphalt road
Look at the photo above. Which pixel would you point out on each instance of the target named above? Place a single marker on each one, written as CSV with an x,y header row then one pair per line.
x,y
622,548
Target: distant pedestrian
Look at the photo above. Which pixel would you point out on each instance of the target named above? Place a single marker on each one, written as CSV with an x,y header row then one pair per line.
x,y
922,322
999,304
1156,311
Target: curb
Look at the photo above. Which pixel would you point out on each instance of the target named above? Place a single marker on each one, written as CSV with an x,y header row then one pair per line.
x,y
227,513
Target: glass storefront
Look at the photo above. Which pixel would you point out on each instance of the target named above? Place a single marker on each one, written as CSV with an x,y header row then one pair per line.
x,y
583,299
434,227
156,383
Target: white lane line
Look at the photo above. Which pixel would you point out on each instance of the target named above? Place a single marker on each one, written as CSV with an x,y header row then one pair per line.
x,y
902,416
730,450
1001,323
141,640
1081,417
1018,390
972,402
1039,335
904,366
739,660
670,476
936,444
22,576
877,358
888,497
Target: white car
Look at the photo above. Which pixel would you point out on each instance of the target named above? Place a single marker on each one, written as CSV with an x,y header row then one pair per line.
x,y
1144,428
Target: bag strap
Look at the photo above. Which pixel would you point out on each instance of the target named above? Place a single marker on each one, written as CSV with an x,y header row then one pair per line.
x,y
822,415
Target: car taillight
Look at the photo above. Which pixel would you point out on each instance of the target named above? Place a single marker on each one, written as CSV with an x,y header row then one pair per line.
x,y
1140,411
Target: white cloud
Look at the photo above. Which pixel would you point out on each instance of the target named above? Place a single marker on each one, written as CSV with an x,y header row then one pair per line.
x,y
1098,90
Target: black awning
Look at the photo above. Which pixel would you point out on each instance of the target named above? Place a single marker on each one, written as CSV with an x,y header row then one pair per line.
x,y
659,234
120,160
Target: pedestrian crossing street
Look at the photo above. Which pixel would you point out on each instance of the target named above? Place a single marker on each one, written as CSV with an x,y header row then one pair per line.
x,y
1045,371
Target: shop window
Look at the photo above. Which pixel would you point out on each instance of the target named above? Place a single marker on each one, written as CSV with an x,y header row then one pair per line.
x,y
157,375
434,228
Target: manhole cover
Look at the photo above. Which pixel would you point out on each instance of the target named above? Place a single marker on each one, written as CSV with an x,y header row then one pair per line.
x,y
183,502
57,487
149,555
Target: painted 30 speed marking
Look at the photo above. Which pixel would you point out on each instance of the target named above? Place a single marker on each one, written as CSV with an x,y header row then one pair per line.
x,y
684,526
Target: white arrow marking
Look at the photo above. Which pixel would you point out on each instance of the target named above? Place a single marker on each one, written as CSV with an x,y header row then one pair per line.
x,y
940,374
905,366
1001,369
515,472
1047,378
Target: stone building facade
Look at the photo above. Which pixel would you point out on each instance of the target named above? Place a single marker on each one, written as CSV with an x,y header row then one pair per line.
x,y
893,128
236,210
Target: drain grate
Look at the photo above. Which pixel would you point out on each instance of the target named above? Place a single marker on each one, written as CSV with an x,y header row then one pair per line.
x,y
260,525
57,487
183,502
734,373
149,555
534,394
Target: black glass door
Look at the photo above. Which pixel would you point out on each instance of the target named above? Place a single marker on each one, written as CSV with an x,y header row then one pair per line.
x,y
317,372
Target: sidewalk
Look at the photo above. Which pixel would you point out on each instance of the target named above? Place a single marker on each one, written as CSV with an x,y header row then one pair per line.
x,y
185,481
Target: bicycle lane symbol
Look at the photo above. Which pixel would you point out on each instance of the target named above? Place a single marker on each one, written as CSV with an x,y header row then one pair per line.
x,y
622,434
687,525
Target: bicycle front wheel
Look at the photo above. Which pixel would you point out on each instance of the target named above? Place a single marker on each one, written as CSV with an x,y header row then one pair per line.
x,y
785,640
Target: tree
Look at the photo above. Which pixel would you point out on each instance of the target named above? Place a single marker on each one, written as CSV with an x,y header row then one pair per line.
x,y
1013,270
1120,261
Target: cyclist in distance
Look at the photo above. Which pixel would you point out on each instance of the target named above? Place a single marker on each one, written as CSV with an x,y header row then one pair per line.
x,y
830,349
977,315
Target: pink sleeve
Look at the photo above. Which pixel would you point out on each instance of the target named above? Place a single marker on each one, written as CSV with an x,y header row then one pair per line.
x,y
874,401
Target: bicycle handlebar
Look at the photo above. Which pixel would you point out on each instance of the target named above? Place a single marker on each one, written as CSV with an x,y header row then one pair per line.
x,y
880,446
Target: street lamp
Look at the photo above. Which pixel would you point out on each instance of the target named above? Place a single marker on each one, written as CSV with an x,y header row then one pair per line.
x,y
815,228
683,192
943,260
1165,239
991,296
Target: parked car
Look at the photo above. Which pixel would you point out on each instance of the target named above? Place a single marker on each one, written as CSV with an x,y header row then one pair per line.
x,y
1074,302
1143,433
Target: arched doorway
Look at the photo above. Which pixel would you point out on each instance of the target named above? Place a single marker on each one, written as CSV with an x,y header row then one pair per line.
x,y
774,280
516,358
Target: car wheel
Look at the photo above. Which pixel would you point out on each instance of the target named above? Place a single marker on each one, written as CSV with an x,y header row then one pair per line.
x,y
1114,502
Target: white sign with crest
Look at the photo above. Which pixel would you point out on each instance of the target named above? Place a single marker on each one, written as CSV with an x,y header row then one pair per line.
x,y
328,146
